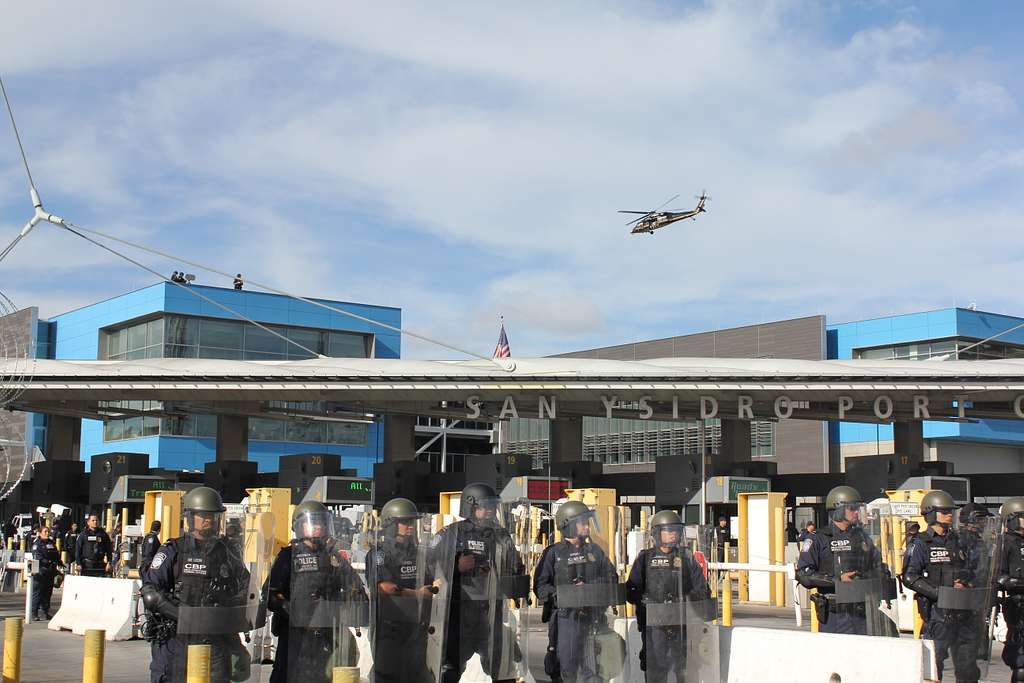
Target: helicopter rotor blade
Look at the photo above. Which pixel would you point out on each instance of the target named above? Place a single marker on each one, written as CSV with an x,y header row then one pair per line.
x,y
637,220
672,199
643,212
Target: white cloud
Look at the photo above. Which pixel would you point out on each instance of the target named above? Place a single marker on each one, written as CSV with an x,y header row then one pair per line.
x,y
465,161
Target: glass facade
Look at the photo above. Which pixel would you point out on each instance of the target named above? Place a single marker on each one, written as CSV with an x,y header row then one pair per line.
x,y
941,347
179,336
620,440
260,429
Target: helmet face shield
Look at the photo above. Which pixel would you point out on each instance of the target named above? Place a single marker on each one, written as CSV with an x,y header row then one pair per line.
x,y
670,535
203,523
853,513
582,525
485,512
313,524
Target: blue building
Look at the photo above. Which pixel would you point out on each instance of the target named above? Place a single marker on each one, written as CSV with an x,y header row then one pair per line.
x,y
981,446
164,321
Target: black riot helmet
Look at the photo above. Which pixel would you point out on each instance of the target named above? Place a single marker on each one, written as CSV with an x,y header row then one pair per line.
x,y
666,521
935,501
839,500
479,497
397,510
312,520
569,514
1011,512
972,515
202,512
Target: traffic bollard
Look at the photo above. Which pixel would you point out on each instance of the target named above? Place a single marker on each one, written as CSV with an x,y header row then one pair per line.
x,y
727,598
13,628
198,664
92,660
345,674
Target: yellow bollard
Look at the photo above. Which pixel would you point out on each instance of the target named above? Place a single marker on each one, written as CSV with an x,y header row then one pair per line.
x,y
198,670
13,628
92,661
345,674
24,543
814,612
727,599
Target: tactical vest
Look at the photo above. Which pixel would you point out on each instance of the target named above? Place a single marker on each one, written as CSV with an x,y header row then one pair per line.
x,y
1014,554
91,547
576,564
668,577
401,560
946,559
853,544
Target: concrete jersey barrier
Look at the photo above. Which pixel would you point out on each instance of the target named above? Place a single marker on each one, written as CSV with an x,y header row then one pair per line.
x,y
90,602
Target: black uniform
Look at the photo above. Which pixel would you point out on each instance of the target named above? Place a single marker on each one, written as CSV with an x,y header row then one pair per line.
x,y
150,544
567,565
721,538
1011,580
42,583
70,543
475,625
201,574
315,596
400,623
816,568
658,579
935,561
93,552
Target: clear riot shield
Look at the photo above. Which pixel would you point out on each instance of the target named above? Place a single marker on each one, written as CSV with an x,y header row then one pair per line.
x,y
965,608
400,580
865,591
675,610
219,594
584,597
480,579
327,604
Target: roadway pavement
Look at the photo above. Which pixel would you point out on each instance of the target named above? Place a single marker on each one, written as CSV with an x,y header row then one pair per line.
x,y
56,657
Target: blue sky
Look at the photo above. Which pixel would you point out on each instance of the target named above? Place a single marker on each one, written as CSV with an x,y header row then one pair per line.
x,y
466,160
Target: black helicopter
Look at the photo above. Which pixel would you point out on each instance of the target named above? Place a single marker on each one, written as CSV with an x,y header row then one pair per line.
x,y
650,221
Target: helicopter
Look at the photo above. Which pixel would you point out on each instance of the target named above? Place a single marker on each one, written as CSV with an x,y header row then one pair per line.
x,y
650,221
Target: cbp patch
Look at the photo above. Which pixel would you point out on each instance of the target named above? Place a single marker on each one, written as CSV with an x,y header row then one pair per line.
x,y
380,559
806,548
677,562
158,560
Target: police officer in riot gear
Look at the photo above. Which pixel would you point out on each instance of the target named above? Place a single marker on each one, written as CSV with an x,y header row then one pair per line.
x,y
478,553
842,552
402,584
45,551
315,596
195,592
575,562
663,578
93,549
346,532
1010,580
937,559
150,544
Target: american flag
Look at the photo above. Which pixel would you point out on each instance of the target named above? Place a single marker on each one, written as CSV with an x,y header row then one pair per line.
x,y
502,350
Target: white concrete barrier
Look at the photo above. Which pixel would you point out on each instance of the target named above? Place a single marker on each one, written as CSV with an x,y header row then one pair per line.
x,y
90,602
761,654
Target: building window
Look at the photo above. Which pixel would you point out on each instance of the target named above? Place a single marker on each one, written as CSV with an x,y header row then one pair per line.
x,y
940,348
178,336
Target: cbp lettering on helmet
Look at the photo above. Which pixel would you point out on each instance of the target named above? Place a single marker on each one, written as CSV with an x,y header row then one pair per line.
x,y
938,559
577,584
841,553
1010,578
663,580
316,597
401,581
200,582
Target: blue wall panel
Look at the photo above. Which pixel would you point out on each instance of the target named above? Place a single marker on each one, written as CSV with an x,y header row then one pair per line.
x,y
76,337
842,339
